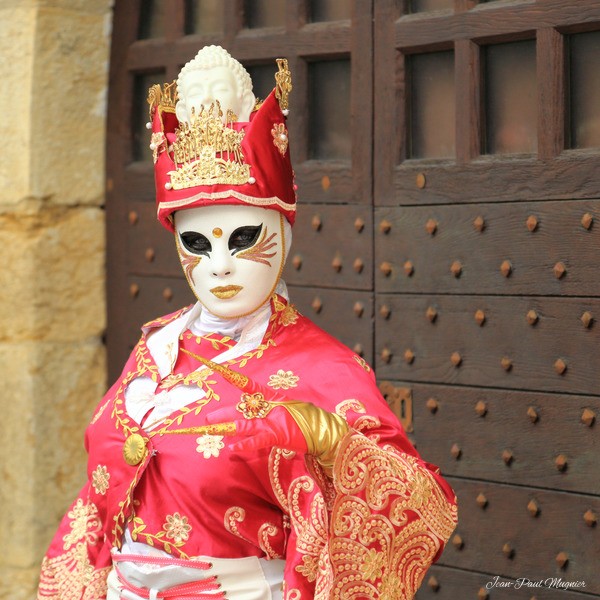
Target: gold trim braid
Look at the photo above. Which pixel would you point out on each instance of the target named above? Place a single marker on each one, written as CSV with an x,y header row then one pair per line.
x,y
185,202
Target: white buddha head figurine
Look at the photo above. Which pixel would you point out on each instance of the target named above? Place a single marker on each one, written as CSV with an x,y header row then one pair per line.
x,y
213,74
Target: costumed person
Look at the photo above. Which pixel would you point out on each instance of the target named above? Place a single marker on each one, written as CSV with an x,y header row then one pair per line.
x,y
243,453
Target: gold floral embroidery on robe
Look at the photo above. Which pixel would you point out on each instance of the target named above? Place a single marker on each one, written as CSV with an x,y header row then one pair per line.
x,y
265,531
100,480
363,423
283,380
236,514
286,314
233,516
362,362
177,528
312,530
71,576
85,524
210,446
384,554
310,524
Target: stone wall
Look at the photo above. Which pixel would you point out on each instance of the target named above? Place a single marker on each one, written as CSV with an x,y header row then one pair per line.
x,y
54,72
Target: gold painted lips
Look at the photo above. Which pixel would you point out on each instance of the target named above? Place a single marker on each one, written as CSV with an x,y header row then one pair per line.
x,y
226,292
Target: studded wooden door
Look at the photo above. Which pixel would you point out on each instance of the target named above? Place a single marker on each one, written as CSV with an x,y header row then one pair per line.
x,y
487,178
447,154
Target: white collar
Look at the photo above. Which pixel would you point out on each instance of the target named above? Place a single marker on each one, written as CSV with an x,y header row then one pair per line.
x,y
249,331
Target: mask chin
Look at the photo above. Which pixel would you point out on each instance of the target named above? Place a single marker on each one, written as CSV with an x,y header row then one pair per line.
x,y
232,256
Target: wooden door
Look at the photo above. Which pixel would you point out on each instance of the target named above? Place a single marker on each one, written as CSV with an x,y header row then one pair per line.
x,y
447,155
487,174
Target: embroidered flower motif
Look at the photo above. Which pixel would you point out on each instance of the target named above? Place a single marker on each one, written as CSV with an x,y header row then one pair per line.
x,y
177,528
283,380
210,445
391,586
362,362
100,479
254,406
84,524
420,490
280,137
372,566
288,316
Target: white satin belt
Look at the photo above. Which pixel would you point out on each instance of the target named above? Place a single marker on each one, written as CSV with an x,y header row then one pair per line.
x,y
248,578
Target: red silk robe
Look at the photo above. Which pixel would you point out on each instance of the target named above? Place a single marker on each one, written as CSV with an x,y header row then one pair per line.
x,y
370,531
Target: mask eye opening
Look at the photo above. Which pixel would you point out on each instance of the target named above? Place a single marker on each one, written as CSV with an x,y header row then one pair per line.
x,y
195,242
244,237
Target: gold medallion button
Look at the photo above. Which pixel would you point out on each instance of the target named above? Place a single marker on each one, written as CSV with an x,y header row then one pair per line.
x,y
134,449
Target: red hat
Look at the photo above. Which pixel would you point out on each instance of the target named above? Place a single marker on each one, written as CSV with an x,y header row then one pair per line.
x,y
211,161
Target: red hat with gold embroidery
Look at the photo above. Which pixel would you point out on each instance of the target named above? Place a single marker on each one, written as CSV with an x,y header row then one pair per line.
x,y
216,159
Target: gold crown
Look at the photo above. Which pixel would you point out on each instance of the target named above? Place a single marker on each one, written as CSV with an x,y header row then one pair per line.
x,y
208,151
162,98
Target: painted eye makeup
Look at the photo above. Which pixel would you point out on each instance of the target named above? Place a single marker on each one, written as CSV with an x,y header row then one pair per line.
x,y
244,237
195,242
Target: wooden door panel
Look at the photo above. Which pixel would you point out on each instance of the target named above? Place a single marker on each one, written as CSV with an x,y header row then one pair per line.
x,y
332,247
345,314
536,526
443,583
487,21
151,250
541,248
509,437
552,351
147,298
573,174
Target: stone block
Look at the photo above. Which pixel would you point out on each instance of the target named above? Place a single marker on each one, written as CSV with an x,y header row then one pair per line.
x,y
17,29
53,274
42,464
69,87
18,584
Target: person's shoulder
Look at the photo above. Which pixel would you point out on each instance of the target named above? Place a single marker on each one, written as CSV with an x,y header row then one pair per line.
x,y
310,338
160,322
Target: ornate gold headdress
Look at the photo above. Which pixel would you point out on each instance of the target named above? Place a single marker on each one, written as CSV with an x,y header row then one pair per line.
x,y
214,159
208,151
162,98
283,84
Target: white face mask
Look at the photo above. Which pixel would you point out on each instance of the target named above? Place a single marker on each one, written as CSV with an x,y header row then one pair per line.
x,y
232,256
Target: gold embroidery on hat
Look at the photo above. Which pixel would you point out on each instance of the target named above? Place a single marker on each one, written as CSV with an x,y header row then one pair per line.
x,y
188,202
162,99
280,137
283,83
208,151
